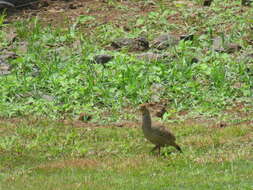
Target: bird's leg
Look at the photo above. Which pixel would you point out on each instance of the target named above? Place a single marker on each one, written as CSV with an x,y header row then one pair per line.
x,y
153,149
157,147
159,150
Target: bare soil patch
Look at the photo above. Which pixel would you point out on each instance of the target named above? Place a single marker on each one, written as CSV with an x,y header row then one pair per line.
x,y
75,163
61,13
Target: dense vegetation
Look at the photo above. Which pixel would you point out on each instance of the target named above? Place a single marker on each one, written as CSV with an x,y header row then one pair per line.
x,y
53,74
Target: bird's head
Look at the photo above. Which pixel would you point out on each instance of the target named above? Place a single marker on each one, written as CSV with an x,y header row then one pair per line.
x,y
143,108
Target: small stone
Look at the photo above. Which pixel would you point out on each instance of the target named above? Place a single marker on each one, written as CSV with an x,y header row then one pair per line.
x,y
133,44
150,56
164,41
221,46
102,59
232,48
121,42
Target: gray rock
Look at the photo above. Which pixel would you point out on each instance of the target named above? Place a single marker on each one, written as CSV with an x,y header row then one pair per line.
x,y
122,42
133,44
164,41
102,59
232,48
150,56
221,46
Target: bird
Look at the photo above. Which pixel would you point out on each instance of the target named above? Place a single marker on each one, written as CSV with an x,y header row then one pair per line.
x,y
156,133
102,59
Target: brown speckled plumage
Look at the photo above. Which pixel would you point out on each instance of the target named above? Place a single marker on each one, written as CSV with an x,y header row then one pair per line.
x,y
156,133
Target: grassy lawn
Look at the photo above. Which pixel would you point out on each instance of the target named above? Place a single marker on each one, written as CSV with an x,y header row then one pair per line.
x,y
50,155
52,73
53,81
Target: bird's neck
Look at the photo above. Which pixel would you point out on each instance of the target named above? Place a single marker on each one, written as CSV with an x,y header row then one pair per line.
x,y
146,120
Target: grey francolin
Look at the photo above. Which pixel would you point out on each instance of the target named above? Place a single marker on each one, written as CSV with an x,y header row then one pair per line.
x,y
156,133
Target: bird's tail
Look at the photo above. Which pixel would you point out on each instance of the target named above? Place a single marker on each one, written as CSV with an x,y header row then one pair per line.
x,y
177,147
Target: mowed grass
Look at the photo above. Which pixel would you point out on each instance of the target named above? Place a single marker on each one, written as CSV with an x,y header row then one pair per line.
x,y
50,155
53,76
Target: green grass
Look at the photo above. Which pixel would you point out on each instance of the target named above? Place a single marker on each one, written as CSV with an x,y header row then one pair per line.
x,y
49,155
56,62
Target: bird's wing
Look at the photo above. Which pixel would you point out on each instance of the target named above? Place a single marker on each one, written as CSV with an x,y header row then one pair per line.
x,y
163,132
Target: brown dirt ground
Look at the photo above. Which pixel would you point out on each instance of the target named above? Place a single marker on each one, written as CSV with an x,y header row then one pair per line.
x,y
60,13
